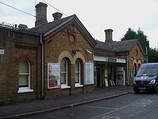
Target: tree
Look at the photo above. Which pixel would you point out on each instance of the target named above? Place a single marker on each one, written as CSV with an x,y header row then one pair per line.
x,y
153,55
143,40
131,34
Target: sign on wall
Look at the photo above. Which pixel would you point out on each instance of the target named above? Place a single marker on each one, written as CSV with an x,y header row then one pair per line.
x,y
53,77
2,51
88,73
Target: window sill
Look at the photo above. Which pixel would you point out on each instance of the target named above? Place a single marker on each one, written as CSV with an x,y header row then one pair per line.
x,y
64,86
78,85
24,90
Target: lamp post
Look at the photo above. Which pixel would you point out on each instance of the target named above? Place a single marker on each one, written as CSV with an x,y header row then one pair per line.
x,y
147,54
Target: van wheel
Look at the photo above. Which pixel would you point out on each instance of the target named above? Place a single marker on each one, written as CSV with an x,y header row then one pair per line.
x,y
136,90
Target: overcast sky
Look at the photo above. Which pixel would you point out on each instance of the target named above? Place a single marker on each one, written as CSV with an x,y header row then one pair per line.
x,y
96,15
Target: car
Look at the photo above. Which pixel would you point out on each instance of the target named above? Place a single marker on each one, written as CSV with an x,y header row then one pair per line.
x,y
146,78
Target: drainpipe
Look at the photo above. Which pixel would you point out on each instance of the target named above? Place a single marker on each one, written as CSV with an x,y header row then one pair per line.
x,y
42,66
127,60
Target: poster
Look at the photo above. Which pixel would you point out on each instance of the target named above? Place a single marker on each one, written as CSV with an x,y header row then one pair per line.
x,y
53,77
88,73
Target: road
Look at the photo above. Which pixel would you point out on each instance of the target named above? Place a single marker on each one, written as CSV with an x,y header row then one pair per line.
x,y
131,106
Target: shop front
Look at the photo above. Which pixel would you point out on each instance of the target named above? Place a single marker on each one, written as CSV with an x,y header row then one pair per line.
x,y
109,71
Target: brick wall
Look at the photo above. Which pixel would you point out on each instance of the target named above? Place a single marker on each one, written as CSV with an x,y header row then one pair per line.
x,y
54,47
135,57
18,46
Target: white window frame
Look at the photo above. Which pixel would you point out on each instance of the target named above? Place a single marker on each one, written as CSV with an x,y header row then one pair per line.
x,y
26,88
66,74
78,73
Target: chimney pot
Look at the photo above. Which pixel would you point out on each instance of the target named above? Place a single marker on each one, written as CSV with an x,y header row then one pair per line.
x,y
57,15
41,4
22,26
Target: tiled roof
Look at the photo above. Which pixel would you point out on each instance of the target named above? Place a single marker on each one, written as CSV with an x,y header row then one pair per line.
x,y
51,25
25,31
103,46
54,25
116,46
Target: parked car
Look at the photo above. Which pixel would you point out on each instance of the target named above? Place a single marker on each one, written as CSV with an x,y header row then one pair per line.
x,y
146,78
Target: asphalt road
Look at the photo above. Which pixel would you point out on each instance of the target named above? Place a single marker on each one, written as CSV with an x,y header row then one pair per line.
x,y
131,106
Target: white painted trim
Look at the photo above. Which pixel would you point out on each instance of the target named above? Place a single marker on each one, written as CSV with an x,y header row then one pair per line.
x,y
78,85
24,90
105,59
63,86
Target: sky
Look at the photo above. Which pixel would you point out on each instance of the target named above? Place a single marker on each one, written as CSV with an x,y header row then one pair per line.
x,y
95,15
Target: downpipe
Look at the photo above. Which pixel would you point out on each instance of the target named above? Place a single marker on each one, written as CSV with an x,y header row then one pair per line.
x,y
42,66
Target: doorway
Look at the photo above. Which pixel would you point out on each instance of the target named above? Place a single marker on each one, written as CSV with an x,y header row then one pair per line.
x,y
99,77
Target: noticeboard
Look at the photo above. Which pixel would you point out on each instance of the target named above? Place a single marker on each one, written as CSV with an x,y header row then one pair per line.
x,y
53,77
88,73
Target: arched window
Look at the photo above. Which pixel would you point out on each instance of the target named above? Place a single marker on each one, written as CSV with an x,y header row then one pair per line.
x,y
139,65
64,73
24,76
135,69
77,73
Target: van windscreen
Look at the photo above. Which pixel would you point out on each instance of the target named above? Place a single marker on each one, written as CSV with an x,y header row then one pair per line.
x,y
150,71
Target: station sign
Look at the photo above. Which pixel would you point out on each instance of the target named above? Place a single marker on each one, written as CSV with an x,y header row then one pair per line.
x,y
112,60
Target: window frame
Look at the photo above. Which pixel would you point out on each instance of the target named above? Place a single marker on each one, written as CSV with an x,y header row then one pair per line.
x,y
28,87
65,85
78,73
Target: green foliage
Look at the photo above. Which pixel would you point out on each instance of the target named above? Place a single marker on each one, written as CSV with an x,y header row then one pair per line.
x,y
143,40
131,34
153,55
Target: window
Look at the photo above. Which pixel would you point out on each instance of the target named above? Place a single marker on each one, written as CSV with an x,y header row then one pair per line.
x,y
64,73
77,73
24,76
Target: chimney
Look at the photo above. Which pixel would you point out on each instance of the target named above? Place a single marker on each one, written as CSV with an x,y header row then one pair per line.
x,y
41,13
108,35
57,15
22,26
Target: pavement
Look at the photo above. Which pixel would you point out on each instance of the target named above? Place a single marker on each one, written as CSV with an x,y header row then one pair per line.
x,y
28,108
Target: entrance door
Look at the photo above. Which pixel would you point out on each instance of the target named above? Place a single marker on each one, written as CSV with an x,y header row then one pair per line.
x,y
99,77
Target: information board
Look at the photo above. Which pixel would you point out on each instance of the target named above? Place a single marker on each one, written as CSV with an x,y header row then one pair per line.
x,y
88,73
53,77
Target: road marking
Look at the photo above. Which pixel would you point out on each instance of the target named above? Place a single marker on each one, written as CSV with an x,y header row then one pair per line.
x,y
142,103
104,114
110,117
100,107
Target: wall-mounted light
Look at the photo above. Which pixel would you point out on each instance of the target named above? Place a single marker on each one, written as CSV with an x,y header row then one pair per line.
x,y
74,51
